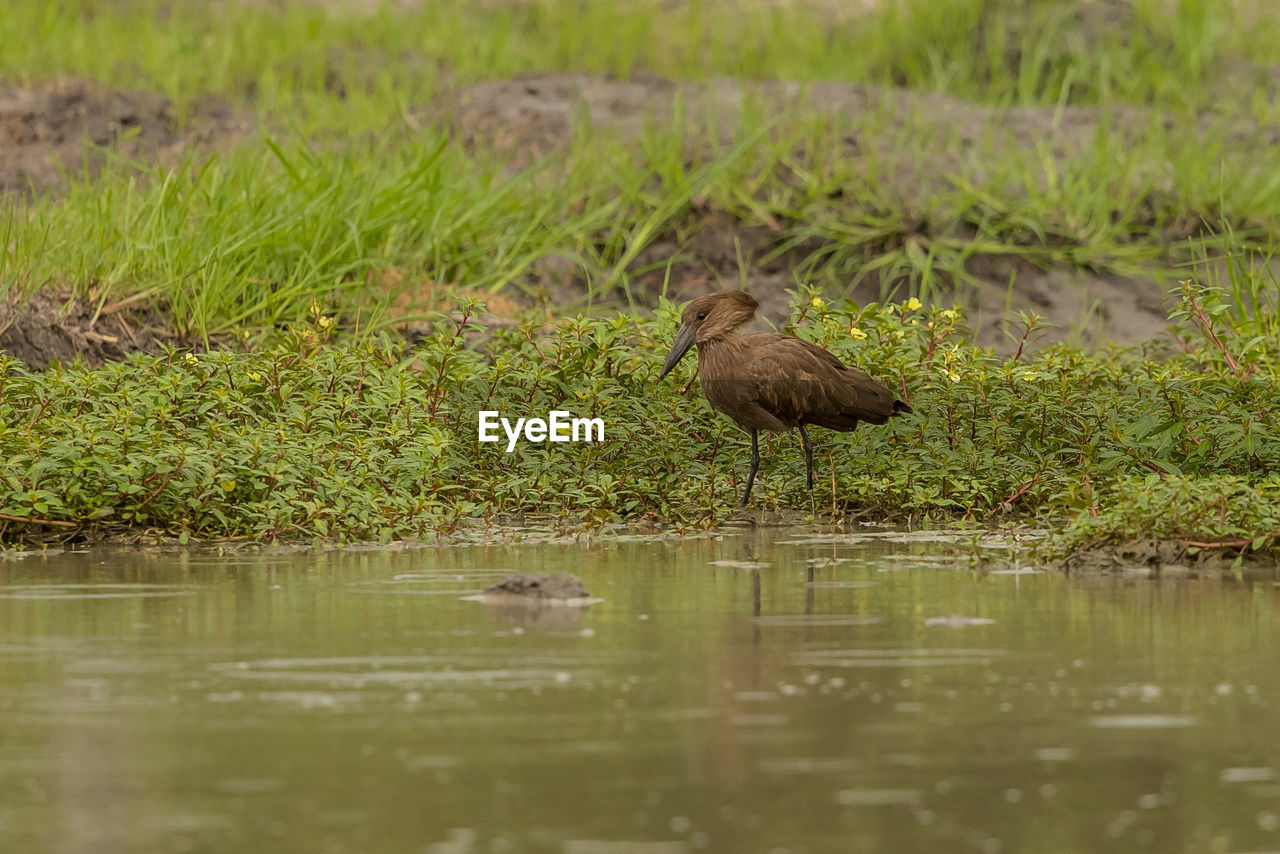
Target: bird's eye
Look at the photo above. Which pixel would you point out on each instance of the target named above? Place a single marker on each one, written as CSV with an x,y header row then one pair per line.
x,y
702,315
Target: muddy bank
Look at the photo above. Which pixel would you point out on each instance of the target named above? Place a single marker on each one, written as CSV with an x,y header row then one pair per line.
x,y
1154,558
942,549
59,328
51,129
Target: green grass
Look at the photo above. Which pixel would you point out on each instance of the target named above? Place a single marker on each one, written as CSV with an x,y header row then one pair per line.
x,y
345,182
290,59
252,237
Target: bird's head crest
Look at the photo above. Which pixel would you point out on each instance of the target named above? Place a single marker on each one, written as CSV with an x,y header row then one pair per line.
x,y
708,317
719,313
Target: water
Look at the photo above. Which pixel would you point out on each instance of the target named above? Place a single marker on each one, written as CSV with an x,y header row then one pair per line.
x,y
833,698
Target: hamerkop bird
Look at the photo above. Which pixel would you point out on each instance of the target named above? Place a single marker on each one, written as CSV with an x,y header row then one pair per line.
x,y
766,381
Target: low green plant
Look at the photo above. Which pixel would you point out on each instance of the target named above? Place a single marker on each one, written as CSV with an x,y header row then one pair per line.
x,y
1209,512
369,440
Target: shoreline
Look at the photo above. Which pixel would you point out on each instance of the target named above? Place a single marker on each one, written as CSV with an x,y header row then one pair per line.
x,y
984,549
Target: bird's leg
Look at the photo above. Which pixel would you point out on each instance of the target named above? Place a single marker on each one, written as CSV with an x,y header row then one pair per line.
x,y
808,456
755,464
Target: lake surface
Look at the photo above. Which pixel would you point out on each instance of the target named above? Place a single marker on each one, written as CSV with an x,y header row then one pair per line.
x,y
847,696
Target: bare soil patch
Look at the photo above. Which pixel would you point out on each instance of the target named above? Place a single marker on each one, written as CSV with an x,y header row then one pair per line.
x,y
52,129
58,328
530,116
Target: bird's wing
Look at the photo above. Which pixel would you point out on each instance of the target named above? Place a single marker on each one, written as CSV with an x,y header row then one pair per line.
x,y
801,381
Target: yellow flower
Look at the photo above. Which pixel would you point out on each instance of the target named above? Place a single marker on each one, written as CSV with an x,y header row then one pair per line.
x,y
228,485
855,332
191,359
955,378
817,302
912,304
324,322
1029,377
947,314
255,376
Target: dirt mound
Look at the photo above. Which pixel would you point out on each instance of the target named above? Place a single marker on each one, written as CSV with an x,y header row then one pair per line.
x,y
52,329
49,130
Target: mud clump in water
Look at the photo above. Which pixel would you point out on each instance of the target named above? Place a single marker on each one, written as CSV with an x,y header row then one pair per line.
x,y
538,587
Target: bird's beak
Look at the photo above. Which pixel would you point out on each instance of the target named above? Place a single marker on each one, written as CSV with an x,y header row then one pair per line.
x,y
684,340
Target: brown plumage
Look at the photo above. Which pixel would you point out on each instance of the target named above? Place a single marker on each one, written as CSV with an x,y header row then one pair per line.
x,y
766,381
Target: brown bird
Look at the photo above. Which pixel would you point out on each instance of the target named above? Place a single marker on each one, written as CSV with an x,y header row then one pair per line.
x,y
766,381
